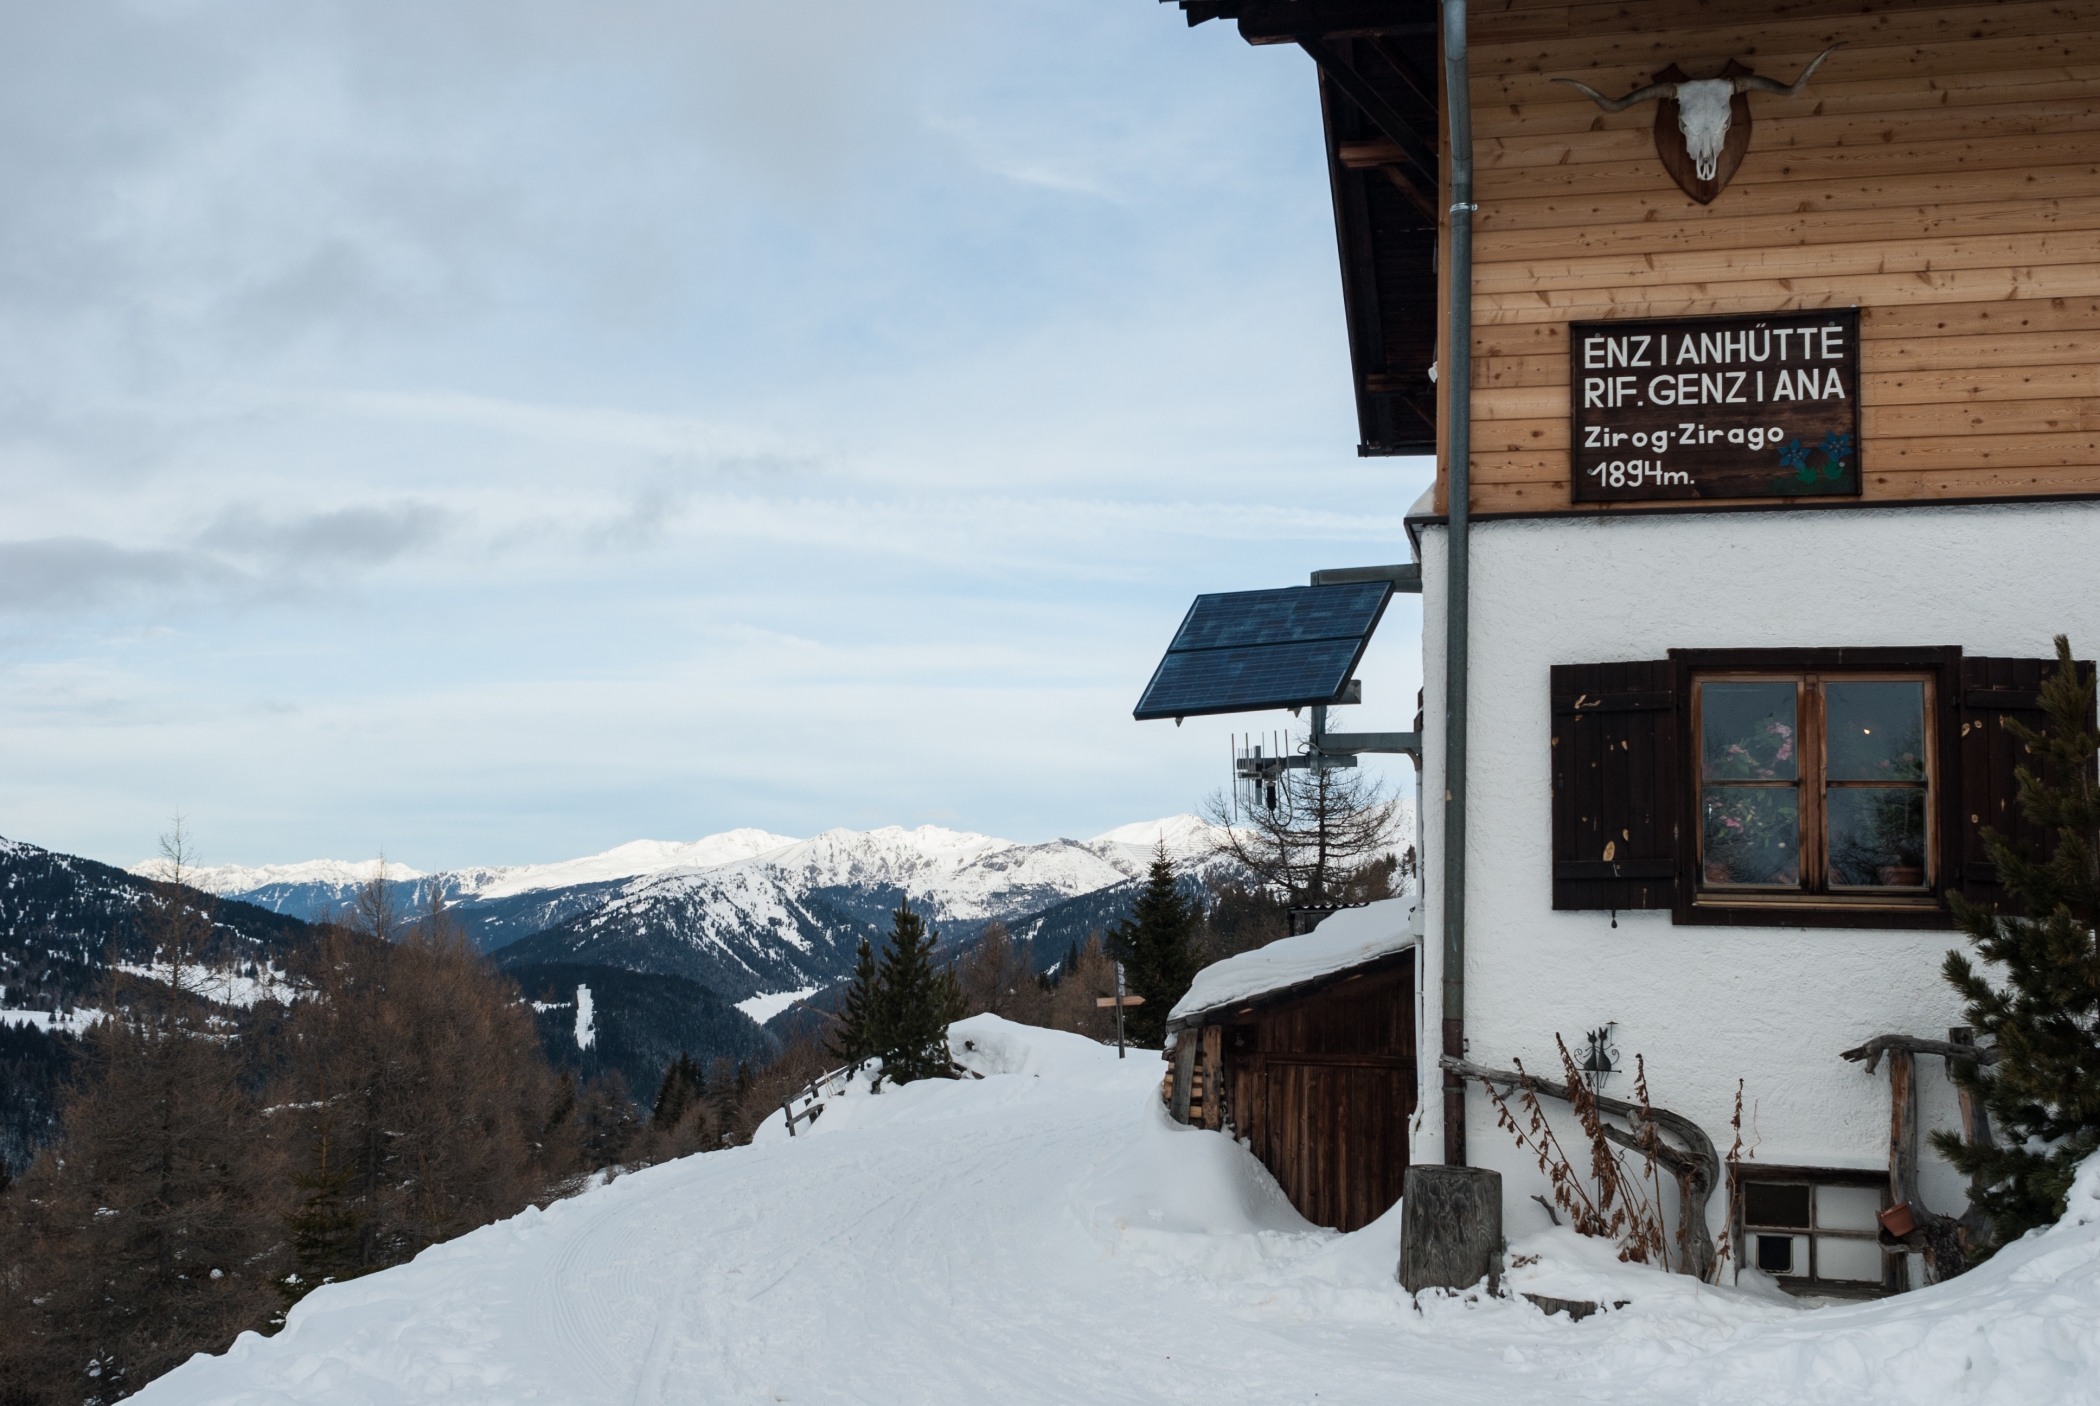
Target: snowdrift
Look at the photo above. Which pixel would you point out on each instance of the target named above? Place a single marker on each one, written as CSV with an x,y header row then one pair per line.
x,y
1046,1235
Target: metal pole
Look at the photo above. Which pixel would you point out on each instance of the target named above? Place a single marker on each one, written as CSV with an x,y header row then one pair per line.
x,y
1119,1010
1458,400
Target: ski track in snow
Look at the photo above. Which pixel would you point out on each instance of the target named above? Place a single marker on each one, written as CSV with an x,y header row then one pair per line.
x,y
1046,1236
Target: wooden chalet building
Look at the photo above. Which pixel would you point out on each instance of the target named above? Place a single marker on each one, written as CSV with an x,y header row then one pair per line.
x,y
1767,434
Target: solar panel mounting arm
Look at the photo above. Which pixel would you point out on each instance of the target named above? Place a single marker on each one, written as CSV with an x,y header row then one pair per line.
x,y
1406,578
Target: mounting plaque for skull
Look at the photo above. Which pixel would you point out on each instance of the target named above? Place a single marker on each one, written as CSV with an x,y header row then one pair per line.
x,y
1702,126
1672,146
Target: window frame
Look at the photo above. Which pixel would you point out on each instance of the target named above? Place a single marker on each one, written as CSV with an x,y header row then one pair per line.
x,y
1776,907
1894,1265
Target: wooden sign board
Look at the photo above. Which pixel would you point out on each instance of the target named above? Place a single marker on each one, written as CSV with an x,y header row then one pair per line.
x,y
1716,407
1126,1000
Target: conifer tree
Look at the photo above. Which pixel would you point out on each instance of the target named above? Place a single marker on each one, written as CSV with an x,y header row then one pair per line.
x,y
857,1035
2042,1006
1157,946
916,1002
684,1086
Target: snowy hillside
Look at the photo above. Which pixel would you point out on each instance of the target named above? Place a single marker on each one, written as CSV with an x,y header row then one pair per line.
x,y
499,903
791,919
1047,1236
753,914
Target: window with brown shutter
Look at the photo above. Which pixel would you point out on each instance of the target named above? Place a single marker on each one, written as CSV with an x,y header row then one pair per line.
x,y
1803,788
1993,690
1615,783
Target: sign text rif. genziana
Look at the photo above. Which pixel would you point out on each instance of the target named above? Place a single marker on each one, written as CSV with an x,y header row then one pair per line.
x,y
1716,407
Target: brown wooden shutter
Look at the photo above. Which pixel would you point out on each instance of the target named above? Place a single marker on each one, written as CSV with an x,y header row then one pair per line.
x,y
1615,785
1993,690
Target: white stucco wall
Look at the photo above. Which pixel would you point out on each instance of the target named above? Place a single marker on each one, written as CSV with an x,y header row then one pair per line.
x,y
1709,1005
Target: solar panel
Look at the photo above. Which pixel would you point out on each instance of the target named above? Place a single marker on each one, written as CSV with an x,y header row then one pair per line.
x,y
1243,651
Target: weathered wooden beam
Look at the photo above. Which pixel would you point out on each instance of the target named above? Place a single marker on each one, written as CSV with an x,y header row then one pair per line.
x,y
1903,1129
1697,1165
1874,1049
1384,116
1413,192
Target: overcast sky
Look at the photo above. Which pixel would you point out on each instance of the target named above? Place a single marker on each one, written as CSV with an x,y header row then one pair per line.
x,y
491,432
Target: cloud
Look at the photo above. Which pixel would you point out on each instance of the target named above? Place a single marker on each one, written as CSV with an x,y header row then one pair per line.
x,y
70,573
344,537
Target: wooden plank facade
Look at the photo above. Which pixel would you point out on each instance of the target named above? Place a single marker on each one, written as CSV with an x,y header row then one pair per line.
x,y
1941,172
1321,1082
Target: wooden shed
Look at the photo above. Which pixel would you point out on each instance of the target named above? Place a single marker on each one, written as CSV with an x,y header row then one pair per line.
x,y
1316,1072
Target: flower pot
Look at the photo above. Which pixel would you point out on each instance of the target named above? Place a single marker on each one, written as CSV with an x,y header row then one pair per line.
x,y
1898,1220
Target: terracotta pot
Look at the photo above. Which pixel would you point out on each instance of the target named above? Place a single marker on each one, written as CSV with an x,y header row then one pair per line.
x,y
1901,876
1898,1220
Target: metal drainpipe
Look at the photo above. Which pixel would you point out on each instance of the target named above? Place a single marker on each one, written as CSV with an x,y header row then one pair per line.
x,y
1458,374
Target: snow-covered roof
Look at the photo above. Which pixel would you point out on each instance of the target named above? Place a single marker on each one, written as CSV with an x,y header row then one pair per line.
x,y
1348,939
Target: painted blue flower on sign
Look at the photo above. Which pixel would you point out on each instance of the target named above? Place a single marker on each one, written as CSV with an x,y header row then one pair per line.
x,y
1795,456
1837,448
1826,460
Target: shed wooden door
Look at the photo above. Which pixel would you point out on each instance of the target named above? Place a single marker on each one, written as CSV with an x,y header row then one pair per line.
x,y
1327,1092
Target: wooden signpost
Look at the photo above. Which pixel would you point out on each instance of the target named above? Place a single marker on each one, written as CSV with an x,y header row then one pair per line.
x,y
1716,407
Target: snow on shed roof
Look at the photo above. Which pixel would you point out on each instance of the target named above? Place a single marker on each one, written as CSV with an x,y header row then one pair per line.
x,y
1349,938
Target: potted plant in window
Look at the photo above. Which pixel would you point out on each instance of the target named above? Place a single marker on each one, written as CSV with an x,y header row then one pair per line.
x,y
1752,833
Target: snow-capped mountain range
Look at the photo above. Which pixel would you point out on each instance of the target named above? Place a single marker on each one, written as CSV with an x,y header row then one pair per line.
x,y
745,912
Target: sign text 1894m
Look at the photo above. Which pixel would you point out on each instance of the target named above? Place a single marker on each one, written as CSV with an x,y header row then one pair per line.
x,y
1716,407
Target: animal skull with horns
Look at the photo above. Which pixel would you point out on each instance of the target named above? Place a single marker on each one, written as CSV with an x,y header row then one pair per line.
x,y
1704,106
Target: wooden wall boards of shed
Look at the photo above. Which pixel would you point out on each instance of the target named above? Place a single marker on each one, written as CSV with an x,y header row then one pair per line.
x,y
1321,1082
1941,173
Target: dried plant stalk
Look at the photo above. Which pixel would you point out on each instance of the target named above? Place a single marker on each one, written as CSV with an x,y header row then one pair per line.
x,y
1627,1202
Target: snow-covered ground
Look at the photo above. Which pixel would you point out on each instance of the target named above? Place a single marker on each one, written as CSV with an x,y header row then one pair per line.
x,y
1047,1235
226,986
764,1006
73,1022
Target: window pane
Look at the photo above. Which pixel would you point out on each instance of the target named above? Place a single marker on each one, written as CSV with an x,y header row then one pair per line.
x,y
1856,1261
1876,731
1748,732
1877,837
1766,1204
1752,835
1848,1208
1775,1254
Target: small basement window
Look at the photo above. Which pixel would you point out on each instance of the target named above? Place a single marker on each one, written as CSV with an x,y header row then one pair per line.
x,y
1816,1234
1814,787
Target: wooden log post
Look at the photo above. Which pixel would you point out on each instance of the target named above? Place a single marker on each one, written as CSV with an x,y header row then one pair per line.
x,y
1976,1232
1184,1073
1975,1118
1903,1129
1939,1238
1450,1228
